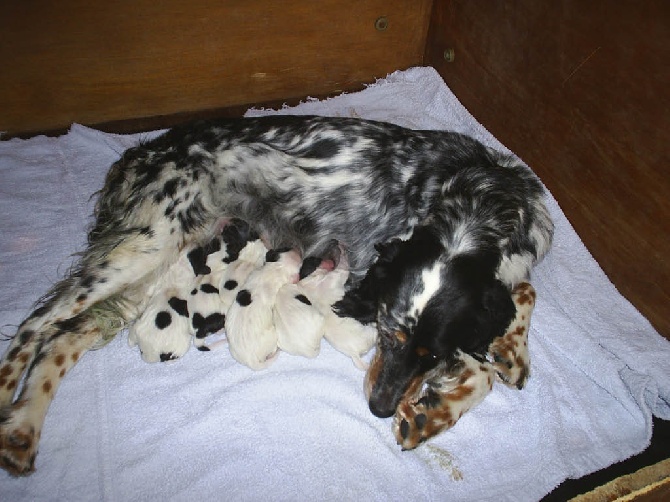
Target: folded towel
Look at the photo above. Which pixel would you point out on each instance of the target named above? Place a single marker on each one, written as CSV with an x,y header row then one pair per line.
x,y
207,427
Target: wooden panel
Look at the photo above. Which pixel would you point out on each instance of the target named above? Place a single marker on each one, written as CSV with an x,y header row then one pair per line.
x,y
580,91
94,62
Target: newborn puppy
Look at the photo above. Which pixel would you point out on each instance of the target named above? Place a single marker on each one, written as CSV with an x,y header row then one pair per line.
x,y
298,312
345,334
303,315
250,330
207,309
162,331
206,305
215,292
250,258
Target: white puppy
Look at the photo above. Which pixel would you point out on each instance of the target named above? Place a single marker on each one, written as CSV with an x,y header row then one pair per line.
x,y
162,331
350,337
250,330
300,308
303,316
299,323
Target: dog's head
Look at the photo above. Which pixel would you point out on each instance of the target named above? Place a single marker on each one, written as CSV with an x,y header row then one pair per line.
x,y
430,303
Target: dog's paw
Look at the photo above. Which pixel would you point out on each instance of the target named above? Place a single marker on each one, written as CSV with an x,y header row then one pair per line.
x,y
416,422
18,446
509,353
435,404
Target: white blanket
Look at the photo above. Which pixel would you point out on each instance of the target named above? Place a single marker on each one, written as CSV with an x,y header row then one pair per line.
x,y
205,427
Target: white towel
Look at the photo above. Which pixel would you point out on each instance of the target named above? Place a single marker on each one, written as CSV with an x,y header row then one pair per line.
x,y
206,427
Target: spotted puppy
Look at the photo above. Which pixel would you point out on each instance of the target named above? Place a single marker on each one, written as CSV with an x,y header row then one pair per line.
x,y
301,182
162,331
234,253
434,403
186,301
250,329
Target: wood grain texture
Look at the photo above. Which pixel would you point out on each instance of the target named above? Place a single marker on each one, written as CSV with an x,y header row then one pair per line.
x,y
579,90
78,61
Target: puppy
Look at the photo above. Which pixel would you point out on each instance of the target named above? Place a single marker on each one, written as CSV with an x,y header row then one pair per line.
x,y
162,331
207,304
298,321
250,330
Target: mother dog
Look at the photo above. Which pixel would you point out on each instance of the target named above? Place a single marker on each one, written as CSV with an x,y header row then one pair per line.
x,y
301,182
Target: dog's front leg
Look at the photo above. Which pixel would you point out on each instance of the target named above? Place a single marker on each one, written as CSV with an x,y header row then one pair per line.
x,y
427,409
510,352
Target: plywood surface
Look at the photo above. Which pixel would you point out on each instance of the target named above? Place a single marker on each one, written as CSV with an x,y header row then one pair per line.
x,y
95,62
580,91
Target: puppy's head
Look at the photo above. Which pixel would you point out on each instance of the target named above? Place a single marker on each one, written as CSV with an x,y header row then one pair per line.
x,y
430,304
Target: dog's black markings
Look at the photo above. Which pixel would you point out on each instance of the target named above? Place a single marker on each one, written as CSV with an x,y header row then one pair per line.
x,y
309,265
209,289
207,325
302,298
179,306
243,298
163,319
230,284
236,234
302,182
273,254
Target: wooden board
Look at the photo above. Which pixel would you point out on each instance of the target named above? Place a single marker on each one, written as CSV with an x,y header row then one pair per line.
x,y
580,90
96,62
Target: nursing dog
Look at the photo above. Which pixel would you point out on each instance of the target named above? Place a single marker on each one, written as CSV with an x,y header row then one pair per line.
x,y
302,183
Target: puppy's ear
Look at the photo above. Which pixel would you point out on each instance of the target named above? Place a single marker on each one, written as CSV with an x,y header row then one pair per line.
x,y
499,308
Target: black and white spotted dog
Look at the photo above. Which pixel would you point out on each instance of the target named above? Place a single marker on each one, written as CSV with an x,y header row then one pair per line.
x,y
301,182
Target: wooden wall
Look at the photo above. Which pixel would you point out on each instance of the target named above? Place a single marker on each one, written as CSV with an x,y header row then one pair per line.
x,y
581,91
95,62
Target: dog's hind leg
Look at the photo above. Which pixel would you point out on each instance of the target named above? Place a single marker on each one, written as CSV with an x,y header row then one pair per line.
x,y
85,309
61,345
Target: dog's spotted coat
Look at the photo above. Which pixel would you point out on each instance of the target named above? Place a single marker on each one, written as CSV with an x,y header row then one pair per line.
x,y
301,182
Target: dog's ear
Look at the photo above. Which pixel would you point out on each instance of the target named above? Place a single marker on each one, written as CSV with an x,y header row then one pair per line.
x,y
499,308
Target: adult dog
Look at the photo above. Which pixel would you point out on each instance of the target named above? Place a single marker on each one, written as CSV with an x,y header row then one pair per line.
x,y
301,182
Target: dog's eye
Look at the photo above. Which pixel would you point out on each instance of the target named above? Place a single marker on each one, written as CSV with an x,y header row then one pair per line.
x,y
425,354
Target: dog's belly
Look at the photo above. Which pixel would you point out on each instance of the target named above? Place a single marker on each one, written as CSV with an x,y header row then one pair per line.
x,y
307,203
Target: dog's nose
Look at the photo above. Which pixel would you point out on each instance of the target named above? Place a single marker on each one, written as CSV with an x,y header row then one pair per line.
x,y
380,410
